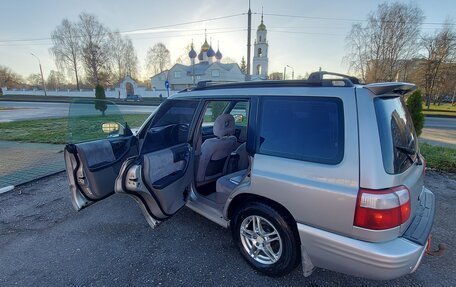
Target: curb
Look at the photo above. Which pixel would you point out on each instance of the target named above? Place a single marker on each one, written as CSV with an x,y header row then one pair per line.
x,y
6,189
440,116
41,177
11,187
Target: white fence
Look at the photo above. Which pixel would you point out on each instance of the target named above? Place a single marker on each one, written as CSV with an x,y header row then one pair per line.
x,y
110,93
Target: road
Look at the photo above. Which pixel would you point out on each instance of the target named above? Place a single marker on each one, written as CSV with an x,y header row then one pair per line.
x,y
44,242
439,131
442,123
37,110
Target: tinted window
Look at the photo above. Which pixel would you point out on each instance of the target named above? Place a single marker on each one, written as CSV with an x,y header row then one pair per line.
x,y
175,112
170,126
397,134
307,128
86,119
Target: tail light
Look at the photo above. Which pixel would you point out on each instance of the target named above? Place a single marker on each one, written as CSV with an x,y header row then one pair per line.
x,y
382,209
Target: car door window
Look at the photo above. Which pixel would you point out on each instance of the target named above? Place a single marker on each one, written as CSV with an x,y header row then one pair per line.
x,y
170,126
94,119
213,110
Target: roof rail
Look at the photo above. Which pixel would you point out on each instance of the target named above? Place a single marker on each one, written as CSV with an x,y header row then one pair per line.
x,y
315,80
390,88
318,76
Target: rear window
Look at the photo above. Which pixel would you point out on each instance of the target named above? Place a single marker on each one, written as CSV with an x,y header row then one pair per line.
x,y
303,128
397,134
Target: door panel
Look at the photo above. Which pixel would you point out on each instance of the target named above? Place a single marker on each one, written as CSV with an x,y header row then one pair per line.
x,y
158,178
92,167
158,181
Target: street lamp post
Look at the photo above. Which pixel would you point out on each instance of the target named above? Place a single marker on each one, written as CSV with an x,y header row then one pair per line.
x,y
284,72
41,71
292,72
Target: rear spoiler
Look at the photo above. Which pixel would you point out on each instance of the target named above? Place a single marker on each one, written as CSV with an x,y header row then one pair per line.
x,y
390,88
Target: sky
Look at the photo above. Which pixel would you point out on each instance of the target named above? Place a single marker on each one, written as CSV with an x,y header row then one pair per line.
x,y
305,44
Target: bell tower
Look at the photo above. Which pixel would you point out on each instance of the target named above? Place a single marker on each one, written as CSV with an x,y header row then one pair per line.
x,y
260,54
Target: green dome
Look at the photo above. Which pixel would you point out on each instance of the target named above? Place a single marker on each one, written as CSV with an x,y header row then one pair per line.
x,y
262,26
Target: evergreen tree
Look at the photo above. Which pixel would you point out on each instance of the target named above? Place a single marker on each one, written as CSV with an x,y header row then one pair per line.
x,y
100,102
243,66
415,106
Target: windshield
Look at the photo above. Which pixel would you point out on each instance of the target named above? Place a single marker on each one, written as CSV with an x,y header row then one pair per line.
x,y
397,134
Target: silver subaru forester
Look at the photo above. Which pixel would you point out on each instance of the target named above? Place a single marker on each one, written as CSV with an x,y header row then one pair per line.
x,y
325,172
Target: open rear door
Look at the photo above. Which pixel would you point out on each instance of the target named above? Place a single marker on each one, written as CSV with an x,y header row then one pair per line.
x,y
98,144
159,177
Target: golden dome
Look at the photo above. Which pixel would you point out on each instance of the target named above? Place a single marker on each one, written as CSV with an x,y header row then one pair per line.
x,y
205,46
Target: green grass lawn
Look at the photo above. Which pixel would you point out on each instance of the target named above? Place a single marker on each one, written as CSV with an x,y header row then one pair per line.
x,y
55,131
441,158
445,109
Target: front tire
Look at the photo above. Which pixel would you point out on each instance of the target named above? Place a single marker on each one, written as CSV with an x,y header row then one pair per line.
x,y
265,239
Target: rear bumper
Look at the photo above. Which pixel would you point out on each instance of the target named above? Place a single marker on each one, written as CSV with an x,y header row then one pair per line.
x,y
380,261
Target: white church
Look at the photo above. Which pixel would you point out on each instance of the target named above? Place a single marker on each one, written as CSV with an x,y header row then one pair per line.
x,y
207,66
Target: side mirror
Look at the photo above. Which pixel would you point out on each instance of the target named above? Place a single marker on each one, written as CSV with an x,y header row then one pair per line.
x,y
238,118
110,127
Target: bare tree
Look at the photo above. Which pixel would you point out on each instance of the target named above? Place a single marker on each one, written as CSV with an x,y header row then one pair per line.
x,y
66,48
130,58
95,47
117,54
55,80
158,58
377,49
183,58
34,80
125,60
438,65
10,79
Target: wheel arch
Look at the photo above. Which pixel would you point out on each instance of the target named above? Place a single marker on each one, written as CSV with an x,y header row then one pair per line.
x,y
245,198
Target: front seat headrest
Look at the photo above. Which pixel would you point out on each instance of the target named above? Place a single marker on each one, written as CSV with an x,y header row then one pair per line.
x,y
224,126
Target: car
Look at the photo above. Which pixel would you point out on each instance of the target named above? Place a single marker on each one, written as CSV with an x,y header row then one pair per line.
x,y
134,98
325,172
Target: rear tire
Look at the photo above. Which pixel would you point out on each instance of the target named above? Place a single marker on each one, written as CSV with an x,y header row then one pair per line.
x,y
265,239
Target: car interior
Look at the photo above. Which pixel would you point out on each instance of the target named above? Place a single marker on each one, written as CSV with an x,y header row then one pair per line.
x,y
221,158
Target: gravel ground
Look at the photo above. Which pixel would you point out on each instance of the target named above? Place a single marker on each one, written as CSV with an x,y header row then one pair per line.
x,y
43,241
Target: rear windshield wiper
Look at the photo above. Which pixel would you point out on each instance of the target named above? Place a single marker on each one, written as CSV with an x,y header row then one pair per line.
x,y
405,150
409,152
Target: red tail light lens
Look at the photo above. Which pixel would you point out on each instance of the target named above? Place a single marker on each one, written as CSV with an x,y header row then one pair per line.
x,y
382,209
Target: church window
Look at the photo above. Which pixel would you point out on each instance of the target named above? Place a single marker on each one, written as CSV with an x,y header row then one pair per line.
x,y
260,52
260,38
258,70
215,73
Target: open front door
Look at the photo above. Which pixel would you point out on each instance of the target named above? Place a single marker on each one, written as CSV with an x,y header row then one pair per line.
x,y
99,142
159,177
